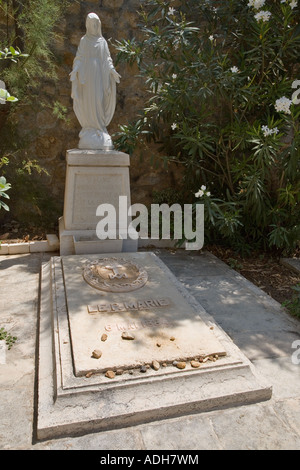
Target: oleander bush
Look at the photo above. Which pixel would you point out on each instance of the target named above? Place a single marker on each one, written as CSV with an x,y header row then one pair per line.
x,y
223,88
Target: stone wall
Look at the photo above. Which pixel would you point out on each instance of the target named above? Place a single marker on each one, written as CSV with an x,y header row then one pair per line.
x,y
50,137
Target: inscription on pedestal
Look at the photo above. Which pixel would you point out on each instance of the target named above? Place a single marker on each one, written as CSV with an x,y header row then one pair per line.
x,y
89,190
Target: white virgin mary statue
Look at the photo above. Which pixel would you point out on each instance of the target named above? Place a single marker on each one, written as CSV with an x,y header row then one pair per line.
x,y
94,81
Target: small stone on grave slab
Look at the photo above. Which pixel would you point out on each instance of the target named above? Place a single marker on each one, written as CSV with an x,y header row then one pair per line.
x,y
195,364
155,365
104,337
110,374
180,365
97,353
127,335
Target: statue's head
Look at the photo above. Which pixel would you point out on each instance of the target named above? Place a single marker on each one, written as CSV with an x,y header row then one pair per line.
x,y
93,25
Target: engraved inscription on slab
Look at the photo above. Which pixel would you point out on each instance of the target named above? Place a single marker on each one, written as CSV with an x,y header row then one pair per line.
x,y
114,275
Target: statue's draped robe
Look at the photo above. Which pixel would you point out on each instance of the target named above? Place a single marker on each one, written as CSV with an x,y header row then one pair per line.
x,y
94,89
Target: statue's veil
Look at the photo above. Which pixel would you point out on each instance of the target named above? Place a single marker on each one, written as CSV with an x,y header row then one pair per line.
x,y
92,17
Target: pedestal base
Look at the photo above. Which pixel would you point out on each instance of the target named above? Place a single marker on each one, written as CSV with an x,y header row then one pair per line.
x,y
80,242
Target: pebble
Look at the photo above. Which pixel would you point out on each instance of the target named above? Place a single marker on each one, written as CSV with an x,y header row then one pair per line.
x,y
180,365
104,337
143,369
212,358
172,338
119,371
155,365
195,364
110,374
97,353
127,335
158,345
89,374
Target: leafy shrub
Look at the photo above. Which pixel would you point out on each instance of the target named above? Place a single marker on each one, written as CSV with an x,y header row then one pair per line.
x,y
220,77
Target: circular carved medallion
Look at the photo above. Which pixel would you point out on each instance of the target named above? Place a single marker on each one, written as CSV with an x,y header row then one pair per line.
x,y
114,275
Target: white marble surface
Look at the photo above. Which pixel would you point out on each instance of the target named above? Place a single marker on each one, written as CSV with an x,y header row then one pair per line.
x,y
94,81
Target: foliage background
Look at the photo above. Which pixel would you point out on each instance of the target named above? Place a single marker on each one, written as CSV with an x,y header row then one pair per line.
x,y
214,72
30,33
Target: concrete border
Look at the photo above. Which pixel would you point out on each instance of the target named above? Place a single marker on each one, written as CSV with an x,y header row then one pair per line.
x,y
52,245
38,246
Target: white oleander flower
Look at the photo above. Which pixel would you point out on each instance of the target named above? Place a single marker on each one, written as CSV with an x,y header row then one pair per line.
x,y
263,16
202,192
171,11
267,131
257,4
283,105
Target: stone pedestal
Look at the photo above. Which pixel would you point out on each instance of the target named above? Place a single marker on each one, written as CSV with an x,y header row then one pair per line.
x,y
95,177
